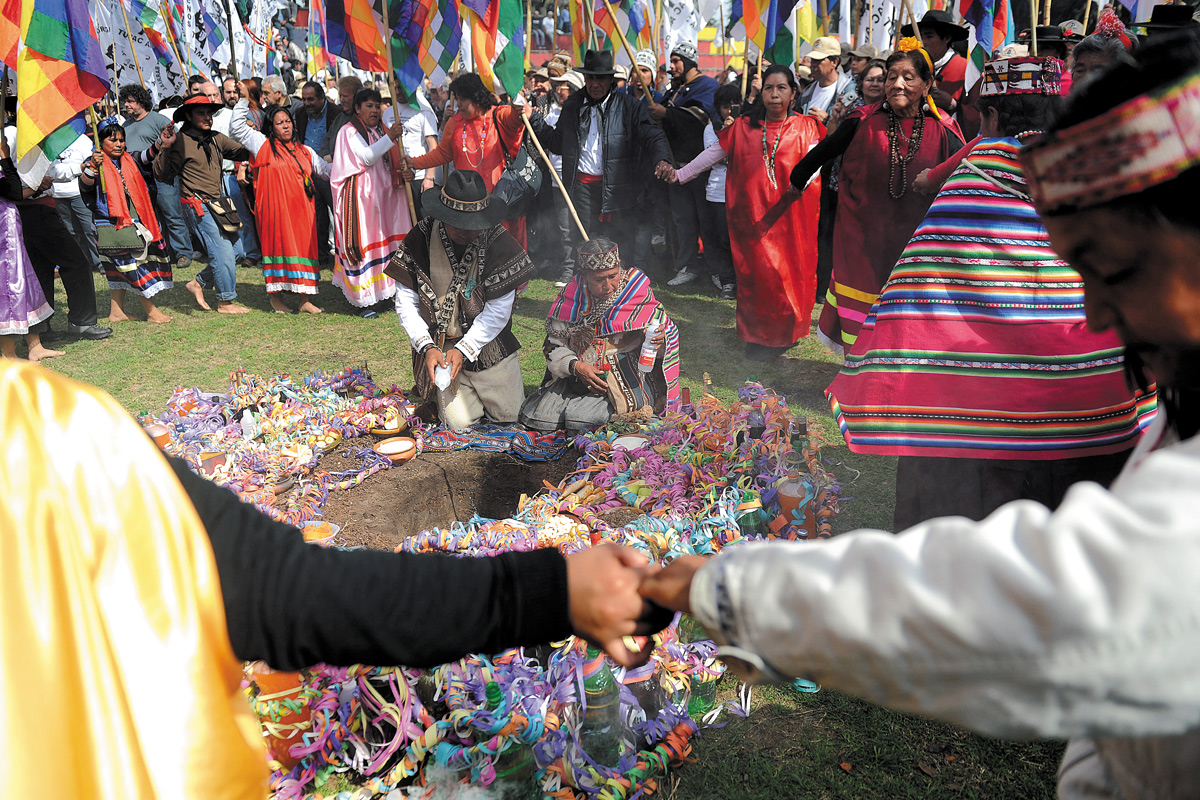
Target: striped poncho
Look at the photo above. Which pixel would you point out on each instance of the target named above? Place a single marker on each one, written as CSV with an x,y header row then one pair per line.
x,y
977,347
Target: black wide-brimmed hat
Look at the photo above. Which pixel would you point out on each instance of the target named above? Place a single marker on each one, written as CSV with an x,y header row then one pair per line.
x,y
463,202
597,63
1166,17
1046,34
942,22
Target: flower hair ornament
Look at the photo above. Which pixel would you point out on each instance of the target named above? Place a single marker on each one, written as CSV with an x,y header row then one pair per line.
x,y
907,45
107,122
1111,27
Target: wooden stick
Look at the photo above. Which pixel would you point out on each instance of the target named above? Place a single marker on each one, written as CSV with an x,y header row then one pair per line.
x,y
658,43
175,44
1087,13
528,34
4,99
132,50
232,47
554,34
95,134
745,66
554,174
912,18
725,55
824,19
870,23
391,77
641,79
1046,14
1033,13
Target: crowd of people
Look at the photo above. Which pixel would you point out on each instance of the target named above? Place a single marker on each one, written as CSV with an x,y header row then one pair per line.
x,y
999,262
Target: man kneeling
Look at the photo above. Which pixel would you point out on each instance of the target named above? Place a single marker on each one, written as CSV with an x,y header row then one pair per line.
x,y
594,335
457,274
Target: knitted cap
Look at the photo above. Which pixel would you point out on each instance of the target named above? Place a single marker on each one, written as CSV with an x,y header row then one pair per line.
x,y
598,254
686,51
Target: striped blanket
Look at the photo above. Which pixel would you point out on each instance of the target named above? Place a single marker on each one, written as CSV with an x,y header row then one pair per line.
x,y
977,347
632,309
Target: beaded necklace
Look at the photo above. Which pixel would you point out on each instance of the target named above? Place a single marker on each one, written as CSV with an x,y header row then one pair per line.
x,y
482,139
769,159
895,159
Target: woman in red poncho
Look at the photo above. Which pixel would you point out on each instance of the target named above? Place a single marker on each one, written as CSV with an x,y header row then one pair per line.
x,y
886,146
122,200
477,137
285,210
772,229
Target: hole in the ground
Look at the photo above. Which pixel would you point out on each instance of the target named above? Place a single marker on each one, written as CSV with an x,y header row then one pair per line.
x,y
432,491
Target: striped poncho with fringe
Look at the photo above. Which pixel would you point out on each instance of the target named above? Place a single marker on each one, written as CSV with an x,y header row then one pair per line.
x,y
977,346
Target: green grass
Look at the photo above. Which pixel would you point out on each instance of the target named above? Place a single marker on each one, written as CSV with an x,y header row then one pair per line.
x,y
792,745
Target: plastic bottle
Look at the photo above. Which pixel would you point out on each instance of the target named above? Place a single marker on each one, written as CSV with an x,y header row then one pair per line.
x,y
649,352
644,685
600,731
516,769
249,429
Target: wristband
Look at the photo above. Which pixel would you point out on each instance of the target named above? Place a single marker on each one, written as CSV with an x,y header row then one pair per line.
x,y
428,346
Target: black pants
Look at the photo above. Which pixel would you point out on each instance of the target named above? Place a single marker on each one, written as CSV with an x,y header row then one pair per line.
x,y
930,487
687,210
587,198
825,224
50,244
324,205
715,233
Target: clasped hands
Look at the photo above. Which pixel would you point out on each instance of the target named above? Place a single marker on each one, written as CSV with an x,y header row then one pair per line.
x,y
452,359
615,592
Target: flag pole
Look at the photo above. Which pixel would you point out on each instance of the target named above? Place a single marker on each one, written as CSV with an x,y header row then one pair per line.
x,y
132,50
1033,13
1087,13
870,23
824,20
593,37
391,76
554,33
724,53
232,44
641,79
554,174
1046,16
745,65
528,34
171,38
912,19
95,132
658,42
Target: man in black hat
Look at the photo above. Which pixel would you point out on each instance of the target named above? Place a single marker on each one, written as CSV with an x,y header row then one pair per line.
x,y
194,156
1169,18
938,32
457,274
1051,42
602,135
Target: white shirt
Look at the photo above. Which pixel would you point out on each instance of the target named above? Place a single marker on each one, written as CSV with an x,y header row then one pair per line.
x,y
714,191
591,152
823,97
553,112
221,121
66,168
418,124
253,140
486,327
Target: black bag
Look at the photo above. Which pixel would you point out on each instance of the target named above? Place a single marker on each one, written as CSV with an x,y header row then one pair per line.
x,y
130,241
521,180
225,213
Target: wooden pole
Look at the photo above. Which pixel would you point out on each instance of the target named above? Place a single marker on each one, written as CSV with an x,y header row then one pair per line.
x,y
658,42
175,44
95,133
554,174
824,18
724,55
870,23
132,50
1033,14
554,35
391,78
4,98
912,18
593,37
1087,13
1046,14
641,79
745,67
232,47
528,34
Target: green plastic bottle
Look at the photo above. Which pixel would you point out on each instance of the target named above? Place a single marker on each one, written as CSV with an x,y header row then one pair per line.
x,y
516,769
600,733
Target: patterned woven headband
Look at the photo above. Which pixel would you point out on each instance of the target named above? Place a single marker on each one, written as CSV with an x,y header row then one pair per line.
x,y
1139,144
595,256
464,205
1029,75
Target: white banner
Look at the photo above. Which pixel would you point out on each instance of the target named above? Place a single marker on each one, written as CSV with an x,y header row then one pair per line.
x,y
163,80
682,22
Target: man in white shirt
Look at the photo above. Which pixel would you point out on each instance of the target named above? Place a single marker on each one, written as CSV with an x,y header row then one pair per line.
x,y
245,246
419,137
829,84
457,273
64,171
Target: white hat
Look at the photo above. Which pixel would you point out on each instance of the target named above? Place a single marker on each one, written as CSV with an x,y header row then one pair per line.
x,y
571,78
621,72
645,58
825,47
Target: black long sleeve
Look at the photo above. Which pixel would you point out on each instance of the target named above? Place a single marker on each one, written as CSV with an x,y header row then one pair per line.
x,y
293,604
10,185
650,136
829,148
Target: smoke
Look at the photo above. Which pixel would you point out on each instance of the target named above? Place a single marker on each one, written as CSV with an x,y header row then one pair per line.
x,y
445,784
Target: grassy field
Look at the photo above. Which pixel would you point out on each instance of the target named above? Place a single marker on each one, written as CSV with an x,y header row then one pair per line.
x,y
824,745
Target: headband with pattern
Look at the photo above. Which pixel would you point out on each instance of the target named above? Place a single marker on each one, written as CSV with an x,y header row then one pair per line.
x,y
598,255
1027,75
1139,144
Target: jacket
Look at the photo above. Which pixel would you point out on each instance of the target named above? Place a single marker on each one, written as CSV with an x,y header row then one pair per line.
x,y
844,90
331,113
1080,622
626,135
199,174
690,110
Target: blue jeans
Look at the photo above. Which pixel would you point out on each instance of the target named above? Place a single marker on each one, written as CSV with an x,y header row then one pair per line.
x,y
246,245
170,214
220,267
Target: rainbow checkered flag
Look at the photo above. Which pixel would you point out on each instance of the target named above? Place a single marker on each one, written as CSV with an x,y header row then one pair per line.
x,y
426,35
632,19
991,27
60,72
497,42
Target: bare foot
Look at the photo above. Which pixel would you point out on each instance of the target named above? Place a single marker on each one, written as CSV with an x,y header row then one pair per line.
x,y
39,352
116,314
279,306
157,317
198,292
308,308
230,307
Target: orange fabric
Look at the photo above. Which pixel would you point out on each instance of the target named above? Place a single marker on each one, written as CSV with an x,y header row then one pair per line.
x,y
773,238
130,178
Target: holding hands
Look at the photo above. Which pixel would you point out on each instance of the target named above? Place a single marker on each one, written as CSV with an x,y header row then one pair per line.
x,y
664,171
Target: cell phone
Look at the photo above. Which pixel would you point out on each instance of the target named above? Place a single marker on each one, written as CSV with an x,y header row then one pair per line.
x,y
736,109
